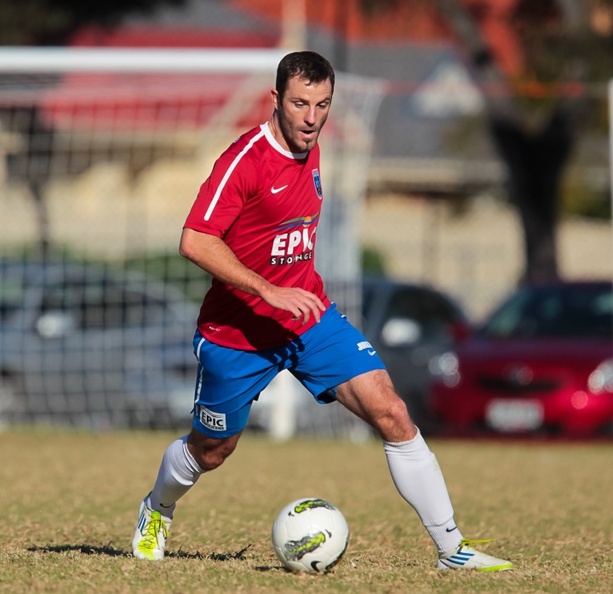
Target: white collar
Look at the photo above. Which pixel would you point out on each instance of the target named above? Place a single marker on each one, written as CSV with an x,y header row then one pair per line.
x,y
273,142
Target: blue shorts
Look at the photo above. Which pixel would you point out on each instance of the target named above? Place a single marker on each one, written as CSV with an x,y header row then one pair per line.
x,y
229,380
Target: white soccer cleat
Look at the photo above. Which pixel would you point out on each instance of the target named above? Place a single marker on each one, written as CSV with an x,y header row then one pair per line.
x,y
465,557
149,540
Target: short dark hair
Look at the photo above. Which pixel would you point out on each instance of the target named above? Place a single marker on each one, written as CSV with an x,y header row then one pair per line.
x,y
307,65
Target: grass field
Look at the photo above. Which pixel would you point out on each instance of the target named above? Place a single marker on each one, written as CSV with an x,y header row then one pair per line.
x,y
69,503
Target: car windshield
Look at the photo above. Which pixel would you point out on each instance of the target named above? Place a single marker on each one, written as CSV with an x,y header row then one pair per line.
x,y
562,311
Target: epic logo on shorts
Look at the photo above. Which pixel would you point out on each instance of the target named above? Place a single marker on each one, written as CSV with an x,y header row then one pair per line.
x,y
212,420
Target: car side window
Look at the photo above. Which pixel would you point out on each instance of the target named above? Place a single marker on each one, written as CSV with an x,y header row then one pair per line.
x,y
420,313
576,313
102,304
139,309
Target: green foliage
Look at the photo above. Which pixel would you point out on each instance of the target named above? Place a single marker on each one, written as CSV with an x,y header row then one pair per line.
x,y
173,269
372,7
168,267
373,262
52,22
586,202
598,57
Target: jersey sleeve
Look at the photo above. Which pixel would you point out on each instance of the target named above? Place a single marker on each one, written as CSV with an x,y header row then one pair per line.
x,y
221,197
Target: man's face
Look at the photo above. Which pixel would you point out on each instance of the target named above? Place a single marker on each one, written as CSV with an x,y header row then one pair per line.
x,y
301,114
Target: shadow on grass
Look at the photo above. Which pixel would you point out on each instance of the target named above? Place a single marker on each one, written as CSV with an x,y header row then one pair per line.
x,y
111,551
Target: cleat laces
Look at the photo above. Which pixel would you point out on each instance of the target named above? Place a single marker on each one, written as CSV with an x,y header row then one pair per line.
x,y
471,542
152,530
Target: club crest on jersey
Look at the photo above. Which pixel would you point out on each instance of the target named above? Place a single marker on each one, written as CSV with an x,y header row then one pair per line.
x,y
317,182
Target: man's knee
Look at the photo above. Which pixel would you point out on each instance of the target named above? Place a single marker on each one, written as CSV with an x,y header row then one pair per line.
x,y
390,418
209,452
395,423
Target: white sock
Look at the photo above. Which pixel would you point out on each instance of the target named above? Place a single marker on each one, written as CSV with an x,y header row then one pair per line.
x,y
177,475
418,478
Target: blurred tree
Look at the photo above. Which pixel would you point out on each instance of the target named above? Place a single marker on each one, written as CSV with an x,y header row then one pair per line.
x,y
535,104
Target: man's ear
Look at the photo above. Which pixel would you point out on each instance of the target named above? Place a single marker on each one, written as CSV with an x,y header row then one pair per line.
x,y
275,98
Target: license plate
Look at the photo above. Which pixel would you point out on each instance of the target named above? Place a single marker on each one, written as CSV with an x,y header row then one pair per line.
x,y
514,415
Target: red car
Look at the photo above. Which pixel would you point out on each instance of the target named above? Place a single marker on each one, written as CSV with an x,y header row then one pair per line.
x,y
542,362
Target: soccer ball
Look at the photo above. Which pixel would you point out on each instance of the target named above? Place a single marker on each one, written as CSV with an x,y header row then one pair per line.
x,y
310,535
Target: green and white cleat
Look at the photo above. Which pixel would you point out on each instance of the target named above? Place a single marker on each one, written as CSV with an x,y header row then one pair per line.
x,y
149,540
466,557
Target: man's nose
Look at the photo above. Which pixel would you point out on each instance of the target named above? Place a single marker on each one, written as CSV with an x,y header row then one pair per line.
x,y
310,117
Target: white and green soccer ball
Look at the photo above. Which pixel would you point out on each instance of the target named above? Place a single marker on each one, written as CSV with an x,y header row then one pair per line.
x,y
310,535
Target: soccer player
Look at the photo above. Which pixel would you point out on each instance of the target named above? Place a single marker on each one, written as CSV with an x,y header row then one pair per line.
x,y
253,228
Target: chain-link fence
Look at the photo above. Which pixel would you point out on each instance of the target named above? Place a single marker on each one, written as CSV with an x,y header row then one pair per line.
x,y
101,168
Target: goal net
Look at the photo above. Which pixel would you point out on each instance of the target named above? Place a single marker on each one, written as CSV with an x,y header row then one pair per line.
x,y
102,153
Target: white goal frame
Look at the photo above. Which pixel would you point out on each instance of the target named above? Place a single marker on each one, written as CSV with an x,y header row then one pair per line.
x,y
59,59
345,156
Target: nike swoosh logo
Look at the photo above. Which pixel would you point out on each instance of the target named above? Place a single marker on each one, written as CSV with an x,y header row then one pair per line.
x,y
451,529
371,353
274,190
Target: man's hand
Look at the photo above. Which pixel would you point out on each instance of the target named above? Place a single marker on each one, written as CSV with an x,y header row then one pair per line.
x,y
215,257
299,302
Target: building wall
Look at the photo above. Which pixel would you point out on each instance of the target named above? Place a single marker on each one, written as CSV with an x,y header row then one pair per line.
x,y
477,255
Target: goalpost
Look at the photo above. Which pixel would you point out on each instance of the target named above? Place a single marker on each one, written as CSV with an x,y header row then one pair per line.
x,y
103,151
58,60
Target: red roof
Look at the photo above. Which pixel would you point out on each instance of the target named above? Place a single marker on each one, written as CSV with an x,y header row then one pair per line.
x,y
117,100
149,101
152,36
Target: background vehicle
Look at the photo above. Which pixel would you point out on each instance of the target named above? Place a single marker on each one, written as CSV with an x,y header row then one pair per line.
x,y
91,345
94,346
542,362
409,325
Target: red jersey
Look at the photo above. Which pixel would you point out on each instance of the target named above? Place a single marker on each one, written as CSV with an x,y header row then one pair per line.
x,y
264,202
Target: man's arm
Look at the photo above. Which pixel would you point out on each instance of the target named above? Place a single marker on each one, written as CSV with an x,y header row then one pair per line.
x,y
213,255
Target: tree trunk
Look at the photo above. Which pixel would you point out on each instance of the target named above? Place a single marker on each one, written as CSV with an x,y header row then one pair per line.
x,y
536,162
535,158
37,189
31,164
